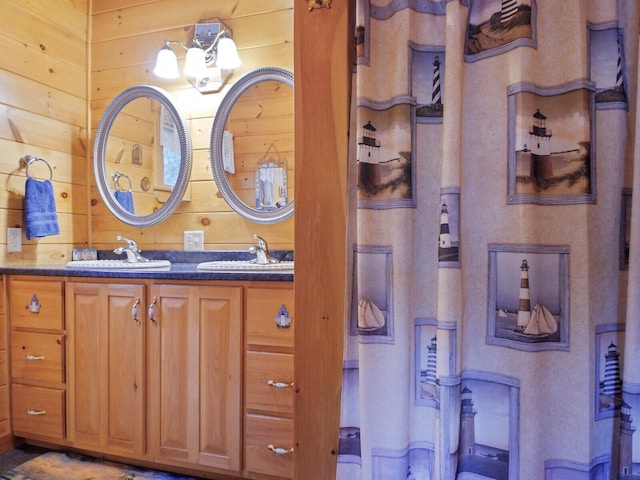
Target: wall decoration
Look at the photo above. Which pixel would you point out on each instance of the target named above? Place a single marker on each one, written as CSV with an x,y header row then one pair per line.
x,y
489,419
427,82
385,156
497,26
625,228
607,66
372,293
528,307
449,228
608,374
551,144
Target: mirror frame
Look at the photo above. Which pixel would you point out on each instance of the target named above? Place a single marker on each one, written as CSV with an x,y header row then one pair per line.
x,y
100,147
243,84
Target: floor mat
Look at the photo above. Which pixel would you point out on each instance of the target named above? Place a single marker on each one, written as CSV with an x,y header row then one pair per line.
x,y
72,466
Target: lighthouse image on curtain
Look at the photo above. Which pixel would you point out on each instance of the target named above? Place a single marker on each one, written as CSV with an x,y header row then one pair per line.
x,y
488,429
449,228
606,66
528,298
427,83
609,355
550,137
384,157
496,26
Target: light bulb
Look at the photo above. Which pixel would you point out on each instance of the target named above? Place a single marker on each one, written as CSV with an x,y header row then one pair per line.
x,y
166,64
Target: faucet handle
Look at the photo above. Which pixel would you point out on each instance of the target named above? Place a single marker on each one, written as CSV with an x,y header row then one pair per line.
x,y
262,243
133,246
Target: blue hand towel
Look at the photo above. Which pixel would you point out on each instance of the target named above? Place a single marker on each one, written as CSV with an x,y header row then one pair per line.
x,y
40,215
125,199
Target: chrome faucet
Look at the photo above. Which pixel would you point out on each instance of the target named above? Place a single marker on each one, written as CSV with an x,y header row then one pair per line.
x,y
132,250
261,251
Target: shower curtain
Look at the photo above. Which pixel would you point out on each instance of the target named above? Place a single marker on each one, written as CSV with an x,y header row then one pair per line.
x,y
493,328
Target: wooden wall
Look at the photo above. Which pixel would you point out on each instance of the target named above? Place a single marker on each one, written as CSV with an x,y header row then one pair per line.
x,y
43,112
123,53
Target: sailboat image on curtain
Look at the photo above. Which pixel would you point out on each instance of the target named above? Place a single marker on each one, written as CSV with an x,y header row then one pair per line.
x,y
528,298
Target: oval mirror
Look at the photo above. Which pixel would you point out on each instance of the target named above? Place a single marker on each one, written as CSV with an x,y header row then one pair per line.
x,y
142,141
252,146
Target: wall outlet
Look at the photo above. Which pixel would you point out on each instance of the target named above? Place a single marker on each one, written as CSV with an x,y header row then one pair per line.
x,y
14,239
194,240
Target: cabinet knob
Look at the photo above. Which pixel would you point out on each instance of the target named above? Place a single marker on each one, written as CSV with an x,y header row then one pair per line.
x,y
280,451
275,384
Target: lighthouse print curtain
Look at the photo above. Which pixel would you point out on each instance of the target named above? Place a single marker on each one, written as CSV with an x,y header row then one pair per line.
x,y
493,328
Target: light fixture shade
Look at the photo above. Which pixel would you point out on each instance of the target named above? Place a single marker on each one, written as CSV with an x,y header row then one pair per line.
x,y
227,58
166,64
195,64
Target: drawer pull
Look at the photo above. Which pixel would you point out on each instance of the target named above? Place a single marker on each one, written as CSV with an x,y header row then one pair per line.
x,y
32,358
35,413
134,311
279,451
152,311
279,384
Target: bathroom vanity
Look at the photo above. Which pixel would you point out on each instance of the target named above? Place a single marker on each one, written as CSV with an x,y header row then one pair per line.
x,y
176,369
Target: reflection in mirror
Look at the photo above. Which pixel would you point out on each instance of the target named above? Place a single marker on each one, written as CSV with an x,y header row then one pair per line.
x,y
252,146
142,156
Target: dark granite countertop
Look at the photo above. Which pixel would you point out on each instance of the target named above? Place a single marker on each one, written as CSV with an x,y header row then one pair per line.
x,y
183,267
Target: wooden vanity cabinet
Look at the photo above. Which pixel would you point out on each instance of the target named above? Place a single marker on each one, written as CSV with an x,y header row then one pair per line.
x,y
37,339
106,365
195,375
269,386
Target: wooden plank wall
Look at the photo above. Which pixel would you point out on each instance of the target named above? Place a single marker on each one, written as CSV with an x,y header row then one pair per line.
x,y
126,36
43,112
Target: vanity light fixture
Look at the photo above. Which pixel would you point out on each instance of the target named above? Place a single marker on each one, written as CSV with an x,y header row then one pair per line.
x,y
209,61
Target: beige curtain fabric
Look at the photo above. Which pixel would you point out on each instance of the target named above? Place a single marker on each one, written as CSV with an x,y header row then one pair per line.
x,y
494,327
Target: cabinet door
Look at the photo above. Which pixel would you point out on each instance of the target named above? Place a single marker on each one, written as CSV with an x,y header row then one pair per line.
x,y
195,375
106,366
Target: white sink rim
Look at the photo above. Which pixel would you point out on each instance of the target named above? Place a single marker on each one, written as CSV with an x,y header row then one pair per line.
x,y
245,266
118,264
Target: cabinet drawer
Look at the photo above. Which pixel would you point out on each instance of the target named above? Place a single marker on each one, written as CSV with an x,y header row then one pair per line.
x,y
37,410
263,309
262,367
36,304
263,431
37,356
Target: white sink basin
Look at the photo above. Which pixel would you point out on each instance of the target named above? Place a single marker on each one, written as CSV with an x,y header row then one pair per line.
x,y
245,266
119,264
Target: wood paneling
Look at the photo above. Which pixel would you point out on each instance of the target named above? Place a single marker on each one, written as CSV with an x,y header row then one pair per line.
x,y
43,112
123,54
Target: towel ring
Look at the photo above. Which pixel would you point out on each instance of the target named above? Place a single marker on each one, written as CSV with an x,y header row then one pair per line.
x,y
29,159
116,178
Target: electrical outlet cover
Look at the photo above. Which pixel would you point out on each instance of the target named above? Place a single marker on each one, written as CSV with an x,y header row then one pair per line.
x,y
14,239
194,240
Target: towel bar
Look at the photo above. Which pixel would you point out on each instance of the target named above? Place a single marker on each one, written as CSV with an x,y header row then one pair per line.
x,y
116,178
29,159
